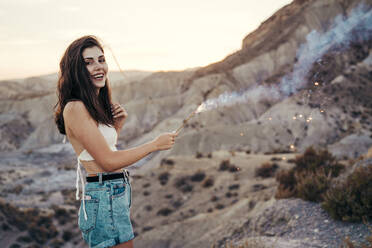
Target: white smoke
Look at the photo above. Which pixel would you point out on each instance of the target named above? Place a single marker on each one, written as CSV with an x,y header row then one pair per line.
x,y
316,45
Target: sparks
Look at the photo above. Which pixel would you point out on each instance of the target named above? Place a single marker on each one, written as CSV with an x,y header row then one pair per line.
x,y
201,108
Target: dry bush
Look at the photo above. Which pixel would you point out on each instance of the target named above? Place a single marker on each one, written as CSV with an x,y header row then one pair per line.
x,y
164,211
40,226
164,177
208,182
311,176
312,186
313,160
287,184
224,165
198,176
182,183
351,199
166,161
266,170
199,155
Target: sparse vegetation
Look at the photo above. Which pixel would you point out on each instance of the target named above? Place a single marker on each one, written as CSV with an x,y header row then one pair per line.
x,y
351,199
198,176
164,177
313,160
24,239
61,214
182,184
148,207
234,186
18,189
266,170
310,177
208,182
177,203
214,198
147,228
313,179
258,187
166,161
146,185
164,211
39,226
67,235
199,155
233,168
220,206
225,165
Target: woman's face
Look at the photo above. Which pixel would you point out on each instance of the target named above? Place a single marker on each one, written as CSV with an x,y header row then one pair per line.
x,y
96,64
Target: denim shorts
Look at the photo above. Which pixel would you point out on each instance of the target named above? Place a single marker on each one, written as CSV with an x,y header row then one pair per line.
x,y
107,207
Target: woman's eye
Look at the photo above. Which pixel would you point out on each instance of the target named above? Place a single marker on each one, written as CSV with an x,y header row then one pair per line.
x,y
87,62
102,60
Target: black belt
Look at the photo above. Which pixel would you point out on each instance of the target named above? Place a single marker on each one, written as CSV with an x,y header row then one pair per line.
x,y
107,177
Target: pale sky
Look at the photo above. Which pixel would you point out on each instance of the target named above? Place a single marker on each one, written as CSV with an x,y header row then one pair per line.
x,y
144,35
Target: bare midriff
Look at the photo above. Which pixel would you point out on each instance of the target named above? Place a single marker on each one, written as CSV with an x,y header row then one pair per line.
x,y
91,167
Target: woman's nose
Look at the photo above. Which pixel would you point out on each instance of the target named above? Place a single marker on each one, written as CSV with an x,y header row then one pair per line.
x,y
97,66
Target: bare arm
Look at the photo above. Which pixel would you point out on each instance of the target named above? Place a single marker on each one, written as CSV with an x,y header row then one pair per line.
x,y
83,127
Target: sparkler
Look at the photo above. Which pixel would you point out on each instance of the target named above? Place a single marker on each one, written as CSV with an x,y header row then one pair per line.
x,y
200,107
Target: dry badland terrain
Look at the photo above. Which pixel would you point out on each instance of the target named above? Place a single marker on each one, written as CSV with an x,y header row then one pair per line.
x,y
302,78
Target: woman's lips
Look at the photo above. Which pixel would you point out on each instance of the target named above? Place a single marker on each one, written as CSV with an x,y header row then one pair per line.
x,y
98,76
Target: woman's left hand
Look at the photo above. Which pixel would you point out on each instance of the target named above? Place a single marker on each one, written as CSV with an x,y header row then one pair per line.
x,y
120,114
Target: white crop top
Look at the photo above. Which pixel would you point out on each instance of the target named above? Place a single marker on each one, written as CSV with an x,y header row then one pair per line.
x,y
110,135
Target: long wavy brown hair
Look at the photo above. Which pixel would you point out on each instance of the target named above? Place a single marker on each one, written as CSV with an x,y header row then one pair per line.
x,y
74,83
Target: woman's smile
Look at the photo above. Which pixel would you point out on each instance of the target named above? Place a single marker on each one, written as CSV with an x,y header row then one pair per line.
x,y
96,65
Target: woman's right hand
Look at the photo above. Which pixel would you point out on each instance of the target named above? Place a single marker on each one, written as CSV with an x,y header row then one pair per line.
x,y
165,141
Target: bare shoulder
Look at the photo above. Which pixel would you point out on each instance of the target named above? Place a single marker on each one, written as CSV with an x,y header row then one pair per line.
x,y
74,108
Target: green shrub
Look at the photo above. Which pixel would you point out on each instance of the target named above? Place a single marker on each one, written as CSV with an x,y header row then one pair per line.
x,y
351,199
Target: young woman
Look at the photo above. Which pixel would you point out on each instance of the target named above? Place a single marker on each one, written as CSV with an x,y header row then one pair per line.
x,y
86,115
